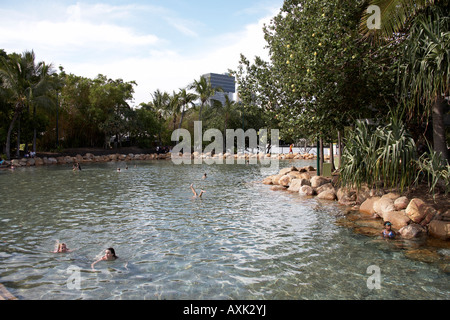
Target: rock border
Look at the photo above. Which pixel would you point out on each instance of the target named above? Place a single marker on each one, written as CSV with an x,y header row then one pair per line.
x,y
411,218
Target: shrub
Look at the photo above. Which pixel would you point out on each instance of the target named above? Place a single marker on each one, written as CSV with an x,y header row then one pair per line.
x,y
385,156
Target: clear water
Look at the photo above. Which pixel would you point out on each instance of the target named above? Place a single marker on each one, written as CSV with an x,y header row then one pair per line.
x,y
239,241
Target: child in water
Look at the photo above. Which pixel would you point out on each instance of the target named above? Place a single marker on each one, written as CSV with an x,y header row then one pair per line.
x,y
388,232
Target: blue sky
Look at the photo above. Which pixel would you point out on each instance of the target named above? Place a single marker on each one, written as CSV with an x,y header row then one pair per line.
x,y
159,44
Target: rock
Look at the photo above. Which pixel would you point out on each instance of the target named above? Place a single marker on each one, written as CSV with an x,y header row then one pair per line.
x,y
368,205
295,185
52,161
417,211
305,182
362,194
276,178
391,195
286,170
412,230
284,181
325,187
346,196
306,191
61,160
424,255
299,175
277,187
327,195
383,205
38,161
439,229
267,180
401,203
397,218
317,181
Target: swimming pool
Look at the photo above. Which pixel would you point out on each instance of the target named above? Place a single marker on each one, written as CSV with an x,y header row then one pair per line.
x,y
239,241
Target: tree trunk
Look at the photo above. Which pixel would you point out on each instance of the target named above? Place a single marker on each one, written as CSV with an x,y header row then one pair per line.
x,y
321,155
333,168
8,136
18,138
339,149
34,129
439,143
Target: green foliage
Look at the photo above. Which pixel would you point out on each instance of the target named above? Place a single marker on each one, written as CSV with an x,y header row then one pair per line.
x,y
435,170
321,75
382,156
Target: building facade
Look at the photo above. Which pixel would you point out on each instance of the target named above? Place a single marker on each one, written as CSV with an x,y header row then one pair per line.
x,y
224,81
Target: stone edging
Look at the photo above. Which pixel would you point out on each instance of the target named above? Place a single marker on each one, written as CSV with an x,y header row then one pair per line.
x,y
411,218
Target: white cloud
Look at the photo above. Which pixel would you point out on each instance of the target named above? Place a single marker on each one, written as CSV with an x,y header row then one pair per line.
x,y
91,39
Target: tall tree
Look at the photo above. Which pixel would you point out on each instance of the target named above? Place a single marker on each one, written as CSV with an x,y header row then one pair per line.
x,y
186,98
204,91
21,77
424,75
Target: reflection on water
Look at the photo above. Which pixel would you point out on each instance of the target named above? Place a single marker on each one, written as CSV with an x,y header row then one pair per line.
x,y
239,241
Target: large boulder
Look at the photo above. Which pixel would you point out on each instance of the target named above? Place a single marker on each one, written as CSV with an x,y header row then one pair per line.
x,y
267,180
299,175
418,211
412,230
276,178
327,194
383,205
295,185
439,229
38,161
286,170
317,181
277,188
284,181
401,203
368,205
397,218
306,191
325,187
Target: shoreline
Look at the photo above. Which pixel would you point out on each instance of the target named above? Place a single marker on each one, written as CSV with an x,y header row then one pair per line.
x,y
422,226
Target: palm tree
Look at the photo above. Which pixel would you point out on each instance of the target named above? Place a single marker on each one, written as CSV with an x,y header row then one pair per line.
x,y
186,99
39,93
425,70
21,77
175,104
160,103
204,90
395,16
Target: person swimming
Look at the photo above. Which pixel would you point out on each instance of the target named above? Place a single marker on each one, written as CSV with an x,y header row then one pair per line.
x,y
62,247
388,232
195,192
110,255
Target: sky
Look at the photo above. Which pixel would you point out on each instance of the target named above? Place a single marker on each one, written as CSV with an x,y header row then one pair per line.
x,y
163,45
